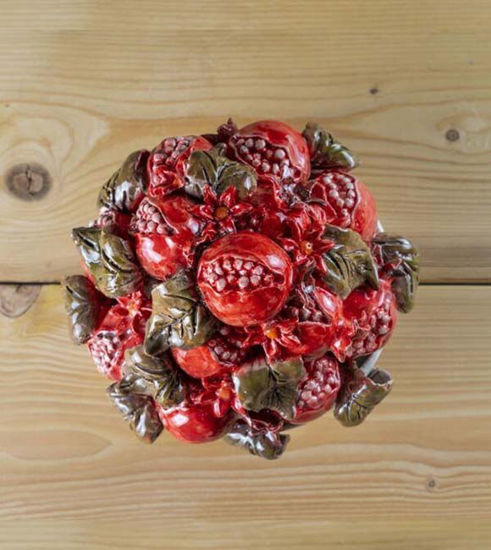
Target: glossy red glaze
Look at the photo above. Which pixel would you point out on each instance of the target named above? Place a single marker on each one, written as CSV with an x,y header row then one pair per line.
x,y
165,165
122,328
195,422
221,353
317,391
347,202
267,217
199,362
256,256
166,245
374,315
255,287
273,148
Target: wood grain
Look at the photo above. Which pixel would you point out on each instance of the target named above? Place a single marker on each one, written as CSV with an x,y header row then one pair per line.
x,y
83,83
416,474
407,86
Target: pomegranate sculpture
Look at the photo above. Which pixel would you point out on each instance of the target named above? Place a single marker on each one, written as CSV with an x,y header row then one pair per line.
x,y
238,284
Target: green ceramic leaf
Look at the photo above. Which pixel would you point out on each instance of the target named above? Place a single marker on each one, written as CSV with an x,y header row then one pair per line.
x,y
401,262
349,263
262,386
110,261
154,376
213,168
81,306
125,188
268,445
325,151
138,410
360,393
178,319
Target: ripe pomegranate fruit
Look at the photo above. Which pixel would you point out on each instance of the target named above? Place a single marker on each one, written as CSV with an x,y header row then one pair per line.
x,y
236,286
122,328
197,419
272,148
223,351
244,278
166,161
164,231
317,391
346,200
374,315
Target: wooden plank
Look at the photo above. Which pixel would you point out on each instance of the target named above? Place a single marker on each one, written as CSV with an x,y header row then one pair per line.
x,y
416,473
269,534
83,83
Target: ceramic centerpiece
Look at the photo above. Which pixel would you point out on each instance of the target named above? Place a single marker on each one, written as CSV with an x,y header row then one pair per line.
x,y
237,284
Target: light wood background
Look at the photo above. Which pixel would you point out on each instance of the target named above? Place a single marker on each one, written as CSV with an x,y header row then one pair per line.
x,y
407,85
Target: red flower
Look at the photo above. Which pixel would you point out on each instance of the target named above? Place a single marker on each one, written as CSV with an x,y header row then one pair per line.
x,y
220,213
277,338
307,243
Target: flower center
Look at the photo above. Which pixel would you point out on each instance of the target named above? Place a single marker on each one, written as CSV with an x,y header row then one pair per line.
x,y
272,333
307,247
221,212
224,393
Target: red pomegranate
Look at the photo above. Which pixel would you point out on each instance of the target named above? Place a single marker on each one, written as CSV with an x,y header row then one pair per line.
x,y
122,328
272,148
203,416
317,391
347,202
165,163
374,315
222,352
325,326
244,278
164,230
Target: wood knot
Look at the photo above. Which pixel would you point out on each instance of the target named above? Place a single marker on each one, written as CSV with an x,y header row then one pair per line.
x,y
28,181
15,300
452,134
374,90
431,484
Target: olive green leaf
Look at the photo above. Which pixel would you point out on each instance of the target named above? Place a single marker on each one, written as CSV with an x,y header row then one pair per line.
x,y
178,319
154,376
81,306
360,393
137,409
325,151
213,168
268,445
109,259
262,386
125,188
349,263
401,262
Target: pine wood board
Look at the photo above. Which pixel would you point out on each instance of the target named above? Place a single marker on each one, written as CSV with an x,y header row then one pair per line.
x,y
406,86
83,83
416,474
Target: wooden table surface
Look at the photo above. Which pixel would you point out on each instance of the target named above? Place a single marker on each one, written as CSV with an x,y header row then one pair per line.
x,y
407,85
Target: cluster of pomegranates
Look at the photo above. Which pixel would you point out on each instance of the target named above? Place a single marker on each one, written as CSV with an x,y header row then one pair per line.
x,y
237,284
